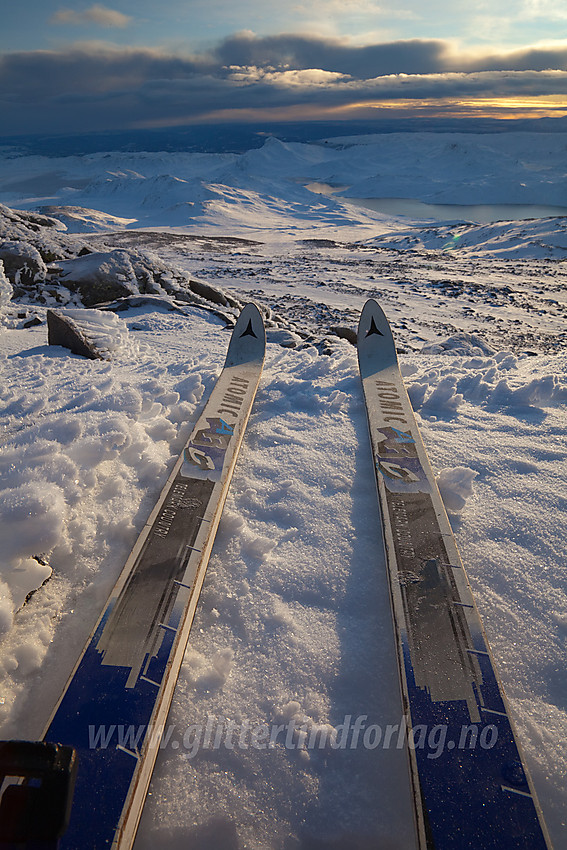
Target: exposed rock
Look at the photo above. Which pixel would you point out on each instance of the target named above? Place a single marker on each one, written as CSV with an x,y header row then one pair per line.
x,y
46,235
90,333
31,220
345,333
23,264
6,290
43,263
99,276
164,302
62,330
211,293
283,337
32,323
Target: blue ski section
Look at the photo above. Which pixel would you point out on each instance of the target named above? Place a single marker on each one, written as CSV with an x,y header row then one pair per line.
x,y
115,705
471,788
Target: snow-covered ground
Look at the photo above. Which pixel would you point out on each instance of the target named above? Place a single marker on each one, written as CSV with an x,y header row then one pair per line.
x,y
294,622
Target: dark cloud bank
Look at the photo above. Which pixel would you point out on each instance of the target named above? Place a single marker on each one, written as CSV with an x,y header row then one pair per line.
x,y
287,77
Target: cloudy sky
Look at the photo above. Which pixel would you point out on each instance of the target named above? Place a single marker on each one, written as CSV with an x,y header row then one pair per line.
x,y
134,63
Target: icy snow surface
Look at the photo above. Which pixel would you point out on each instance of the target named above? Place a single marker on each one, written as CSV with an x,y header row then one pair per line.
x,y
294,620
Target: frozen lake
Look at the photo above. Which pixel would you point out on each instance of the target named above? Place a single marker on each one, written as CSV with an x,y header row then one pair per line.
x,y
411,208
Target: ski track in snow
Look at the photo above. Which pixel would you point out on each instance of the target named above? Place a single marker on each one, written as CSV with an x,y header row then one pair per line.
x,y
294,619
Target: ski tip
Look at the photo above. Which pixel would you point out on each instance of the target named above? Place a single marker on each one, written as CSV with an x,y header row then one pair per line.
x,y
376,347
248,341
372,321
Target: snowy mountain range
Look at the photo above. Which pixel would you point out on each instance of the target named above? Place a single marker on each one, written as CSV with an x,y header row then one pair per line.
x,y
240,190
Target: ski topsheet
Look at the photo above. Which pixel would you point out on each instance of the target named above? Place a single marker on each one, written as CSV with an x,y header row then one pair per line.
x,y
470,786
127,672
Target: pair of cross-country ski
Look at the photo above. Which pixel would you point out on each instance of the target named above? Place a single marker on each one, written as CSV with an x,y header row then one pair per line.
x,y
474,793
